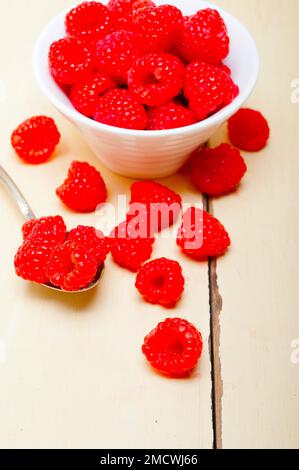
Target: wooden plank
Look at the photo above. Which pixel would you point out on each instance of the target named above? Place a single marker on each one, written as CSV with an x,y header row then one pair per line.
x,y
71,371
258,278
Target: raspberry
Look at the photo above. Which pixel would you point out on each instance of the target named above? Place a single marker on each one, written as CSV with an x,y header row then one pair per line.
x,y
119,108
170,116
154,205
121,12
35,139
84,95
248,130
128,248
224,68
201,235
117,53
84,188
160,26
69,61
173,347
70,266
94,240
217,171
141,4
89,21
161,282
31,260
208,88
51,229
204,38
156,78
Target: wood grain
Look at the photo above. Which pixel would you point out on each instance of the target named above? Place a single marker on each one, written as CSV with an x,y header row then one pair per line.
x,y
71,371
258,279
214,343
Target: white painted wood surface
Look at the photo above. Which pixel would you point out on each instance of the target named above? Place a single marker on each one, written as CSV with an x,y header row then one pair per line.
x,y
71,372
258,279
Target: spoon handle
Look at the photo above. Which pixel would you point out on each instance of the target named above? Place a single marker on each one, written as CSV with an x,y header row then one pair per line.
x,y
23,205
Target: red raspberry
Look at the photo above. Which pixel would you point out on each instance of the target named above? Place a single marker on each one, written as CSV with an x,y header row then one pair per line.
x,y
141,4
89,21
70,266
248,130
70,61
122,10
154,205
92,239
225,68
170,116
117,53
204,38
51,229
156,78
161,282
119,108
129,248
201,235
173,347
35,139
160,26
84,188
208,88
84,95
31,260
217,171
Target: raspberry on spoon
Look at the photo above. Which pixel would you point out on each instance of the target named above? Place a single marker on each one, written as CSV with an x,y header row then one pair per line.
x,y
31,260
71,267
97,244
52,229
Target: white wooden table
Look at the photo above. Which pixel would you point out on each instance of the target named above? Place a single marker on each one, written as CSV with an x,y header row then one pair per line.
x,y
71,371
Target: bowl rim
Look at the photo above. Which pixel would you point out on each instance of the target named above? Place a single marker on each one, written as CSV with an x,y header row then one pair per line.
x,y
213,120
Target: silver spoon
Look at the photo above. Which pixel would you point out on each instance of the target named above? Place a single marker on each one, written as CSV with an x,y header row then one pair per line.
x,y
28,214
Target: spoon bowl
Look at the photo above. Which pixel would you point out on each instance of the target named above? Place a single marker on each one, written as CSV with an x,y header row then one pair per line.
x,y
95,281
28,214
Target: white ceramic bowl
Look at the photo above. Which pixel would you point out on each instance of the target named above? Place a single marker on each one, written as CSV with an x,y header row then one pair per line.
x,y
151,154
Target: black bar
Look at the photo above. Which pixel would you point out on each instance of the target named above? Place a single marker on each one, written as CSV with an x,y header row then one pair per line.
x,y
142,458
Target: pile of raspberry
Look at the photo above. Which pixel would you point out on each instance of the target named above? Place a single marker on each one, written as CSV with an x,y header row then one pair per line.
x,y
50,255
135,65
73,260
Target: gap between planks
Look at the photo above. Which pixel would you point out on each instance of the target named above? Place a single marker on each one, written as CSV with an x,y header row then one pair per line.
x,y
215,302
